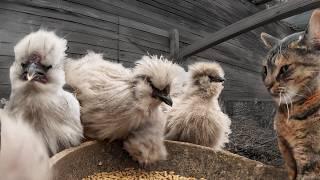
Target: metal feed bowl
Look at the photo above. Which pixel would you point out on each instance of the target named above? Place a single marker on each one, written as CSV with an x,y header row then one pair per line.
x,y
184,159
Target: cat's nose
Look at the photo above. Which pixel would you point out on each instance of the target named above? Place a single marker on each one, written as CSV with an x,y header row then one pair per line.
x,y
269,82
269,85
275,90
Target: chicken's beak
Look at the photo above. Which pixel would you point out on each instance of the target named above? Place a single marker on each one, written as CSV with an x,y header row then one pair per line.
x,y
33,70
220,79
165,98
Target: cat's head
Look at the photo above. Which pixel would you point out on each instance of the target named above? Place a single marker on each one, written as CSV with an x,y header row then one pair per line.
x,y
291,69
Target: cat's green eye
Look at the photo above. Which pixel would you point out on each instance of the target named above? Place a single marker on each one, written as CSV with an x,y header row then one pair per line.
x,y
265,70
284,68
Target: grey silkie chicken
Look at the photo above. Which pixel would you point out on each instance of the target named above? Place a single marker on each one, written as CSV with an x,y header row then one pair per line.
x,y
121,103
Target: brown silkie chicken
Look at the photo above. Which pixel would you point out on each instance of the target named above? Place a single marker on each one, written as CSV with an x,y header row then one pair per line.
x,y
196,116
120,103
37,78
23,154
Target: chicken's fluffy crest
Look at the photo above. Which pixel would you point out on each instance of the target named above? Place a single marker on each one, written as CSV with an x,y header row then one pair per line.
x,y
205,68
38,42
157,67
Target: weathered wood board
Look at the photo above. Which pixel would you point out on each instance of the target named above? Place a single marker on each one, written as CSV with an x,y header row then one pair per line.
x,y
124,30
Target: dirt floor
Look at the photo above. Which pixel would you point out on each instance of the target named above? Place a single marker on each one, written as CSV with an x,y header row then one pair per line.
x,y
254,140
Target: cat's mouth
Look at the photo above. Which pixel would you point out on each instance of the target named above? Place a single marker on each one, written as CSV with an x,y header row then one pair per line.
x,y
277,92
284,97
275,95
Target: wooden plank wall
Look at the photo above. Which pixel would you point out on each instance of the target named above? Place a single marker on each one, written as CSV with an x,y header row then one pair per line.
x,y
125,29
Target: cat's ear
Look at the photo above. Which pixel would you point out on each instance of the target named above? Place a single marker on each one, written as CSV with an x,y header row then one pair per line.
x,y
313,31
269,40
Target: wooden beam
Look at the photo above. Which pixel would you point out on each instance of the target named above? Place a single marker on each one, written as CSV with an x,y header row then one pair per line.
x,y
174,44
258,2
275,13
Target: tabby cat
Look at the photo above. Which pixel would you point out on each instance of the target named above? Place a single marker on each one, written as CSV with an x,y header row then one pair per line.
x,y
291,73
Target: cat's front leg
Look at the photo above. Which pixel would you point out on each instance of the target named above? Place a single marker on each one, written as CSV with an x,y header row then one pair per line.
x,y
308,177
308,164
287,155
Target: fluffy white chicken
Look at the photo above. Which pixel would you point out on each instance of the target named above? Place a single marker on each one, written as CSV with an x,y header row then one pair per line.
x,y
37,78
23,153
120,103
196,116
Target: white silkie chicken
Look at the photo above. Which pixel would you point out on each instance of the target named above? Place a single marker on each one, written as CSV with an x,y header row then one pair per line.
x,y
196,117
23,154
37,77
120,103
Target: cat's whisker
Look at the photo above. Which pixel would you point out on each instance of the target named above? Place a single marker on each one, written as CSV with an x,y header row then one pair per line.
x,y
280,99
312,71
299,95
290,102
288,111
296,94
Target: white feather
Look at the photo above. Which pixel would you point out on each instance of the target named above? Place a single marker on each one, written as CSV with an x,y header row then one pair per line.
x,y
23,153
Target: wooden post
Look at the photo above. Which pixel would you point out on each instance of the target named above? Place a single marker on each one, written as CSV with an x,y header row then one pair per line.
x,y
174,44
275,13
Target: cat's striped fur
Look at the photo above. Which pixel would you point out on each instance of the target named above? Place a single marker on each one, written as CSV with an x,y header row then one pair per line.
x,y
291,72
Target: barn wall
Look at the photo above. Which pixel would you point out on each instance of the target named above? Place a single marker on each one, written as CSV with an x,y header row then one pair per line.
x,y
124,30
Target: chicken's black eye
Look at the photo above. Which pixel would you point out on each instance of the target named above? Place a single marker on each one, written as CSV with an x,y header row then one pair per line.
x,y
48,67
23,65
149,81
166,90
216,79
211,78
